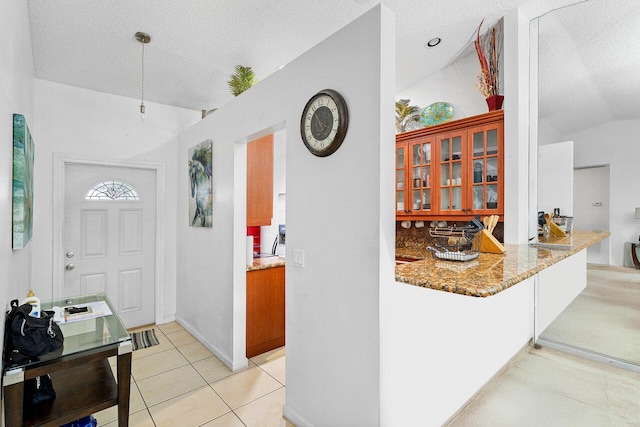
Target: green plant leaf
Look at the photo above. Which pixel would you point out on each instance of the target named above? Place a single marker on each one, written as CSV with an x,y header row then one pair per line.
x,y
241,79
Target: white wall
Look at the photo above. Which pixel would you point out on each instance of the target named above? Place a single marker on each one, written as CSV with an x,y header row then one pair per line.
x,y
102,126
558,286
555,178
616,144
440,348
16,96
591,195
453,84
333,302
517,162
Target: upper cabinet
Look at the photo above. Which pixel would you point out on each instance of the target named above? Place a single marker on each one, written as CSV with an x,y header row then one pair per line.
x,y
451,171
260,181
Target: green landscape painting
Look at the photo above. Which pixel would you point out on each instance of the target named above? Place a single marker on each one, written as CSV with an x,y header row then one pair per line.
x,y
22,183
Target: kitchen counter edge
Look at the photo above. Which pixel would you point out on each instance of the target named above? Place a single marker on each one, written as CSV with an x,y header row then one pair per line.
x,y
489,274
264,263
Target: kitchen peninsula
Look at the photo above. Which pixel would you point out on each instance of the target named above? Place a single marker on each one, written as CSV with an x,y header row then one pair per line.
x,y
452,326
489,273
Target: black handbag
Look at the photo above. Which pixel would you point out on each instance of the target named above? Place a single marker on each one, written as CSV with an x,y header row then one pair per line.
x,y
38,389
33,336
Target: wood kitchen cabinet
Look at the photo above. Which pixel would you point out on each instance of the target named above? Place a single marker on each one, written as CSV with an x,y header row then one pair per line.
x,y
265,310
260,181
451,171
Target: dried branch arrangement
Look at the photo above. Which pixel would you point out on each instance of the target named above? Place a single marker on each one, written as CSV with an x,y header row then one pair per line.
x,y
489,49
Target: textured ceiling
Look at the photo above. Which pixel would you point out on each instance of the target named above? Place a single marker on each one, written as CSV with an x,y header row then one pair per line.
x,y
589,65
195,44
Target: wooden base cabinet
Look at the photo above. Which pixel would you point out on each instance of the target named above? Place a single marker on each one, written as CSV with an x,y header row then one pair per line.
x,y
265,310
451,171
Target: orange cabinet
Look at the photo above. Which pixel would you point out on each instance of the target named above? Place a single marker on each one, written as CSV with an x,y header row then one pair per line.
x,y
265,310
451,171
260,181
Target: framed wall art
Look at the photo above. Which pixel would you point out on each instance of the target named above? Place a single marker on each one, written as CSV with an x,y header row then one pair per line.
x,y
23,150
200,185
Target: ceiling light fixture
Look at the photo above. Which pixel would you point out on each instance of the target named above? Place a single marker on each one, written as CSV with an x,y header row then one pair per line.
x,y
433,42
143,38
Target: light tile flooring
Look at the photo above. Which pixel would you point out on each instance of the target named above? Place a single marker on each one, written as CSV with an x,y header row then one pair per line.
x,y
605,317
181,383
549,388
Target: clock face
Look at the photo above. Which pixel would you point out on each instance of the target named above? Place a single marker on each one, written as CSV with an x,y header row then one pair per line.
x,y
324,122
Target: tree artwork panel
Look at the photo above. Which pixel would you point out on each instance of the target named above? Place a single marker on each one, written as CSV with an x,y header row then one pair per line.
x,y
22,183
200,185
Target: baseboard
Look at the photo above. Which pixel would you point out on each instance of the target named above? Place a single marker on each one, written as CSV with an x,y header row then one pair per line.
x,y
294,418
223,356
525,349
590,355
167,319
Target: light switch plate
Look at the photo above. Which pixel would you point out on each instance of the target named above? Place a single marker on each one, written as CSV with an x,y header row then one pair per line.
x,y
298,258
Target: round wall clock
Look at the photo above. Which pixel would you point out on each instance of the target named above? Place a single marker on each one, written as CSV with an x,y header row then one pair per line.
x,y
324,122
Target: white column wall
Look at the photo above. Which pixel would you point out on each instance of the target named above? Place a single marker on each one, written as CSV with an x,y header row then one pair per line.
x,y
333,213
516,127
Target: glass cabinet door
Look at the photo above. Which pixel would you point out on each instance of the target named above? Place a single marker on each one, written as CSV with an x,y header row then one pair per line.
x,y
421,177
486,171
451,173
400,180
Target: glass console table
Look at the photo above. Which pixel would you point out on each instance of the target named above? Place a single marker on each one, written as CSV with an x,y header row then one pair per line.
x,y
80,371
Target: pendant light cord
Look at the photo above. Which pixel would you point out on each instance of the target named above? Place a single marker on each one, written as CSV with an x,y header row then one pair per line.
x,y
142,97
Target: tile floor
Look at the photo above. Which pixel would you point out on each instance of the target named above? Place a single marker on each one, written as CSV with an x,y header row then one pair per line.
x,y
549,388
605,317
181,383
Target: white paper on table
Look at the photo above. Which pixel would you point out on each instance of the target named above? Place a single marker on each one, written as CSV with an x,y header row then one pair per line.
x,y
95,309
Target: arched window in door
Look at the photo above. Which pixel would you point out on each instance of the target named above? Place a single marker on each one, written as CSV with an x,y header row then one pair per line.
x,y
112,190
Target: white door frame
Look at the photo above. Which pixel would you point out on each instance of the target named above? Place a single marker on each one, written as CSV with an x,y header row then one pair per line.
x,y
60,162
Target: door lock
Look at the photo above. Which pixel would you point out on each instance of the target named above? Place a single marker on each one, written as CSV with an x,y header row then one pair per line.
x,y
69,267
69,254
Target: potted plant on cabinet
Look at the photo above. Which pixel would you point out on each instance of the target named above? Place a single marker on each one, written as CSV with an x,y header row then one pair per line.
x,y
406,116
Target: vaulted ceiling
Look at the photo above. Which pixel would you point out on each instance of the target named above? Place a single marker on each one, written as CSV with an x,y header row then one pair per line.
x,y
195,44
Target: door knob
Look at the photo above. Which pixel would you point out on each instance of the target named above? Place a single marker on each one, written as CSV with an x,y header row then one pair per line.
x,y
69,267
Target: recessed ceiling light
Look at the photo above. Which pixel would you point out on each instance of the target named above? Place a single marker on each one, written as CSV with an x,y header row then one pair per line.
x,y
433,42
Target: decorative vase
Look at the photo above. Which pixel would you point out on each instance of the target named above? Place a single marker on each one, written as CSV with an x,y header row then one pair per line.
x,y
495,102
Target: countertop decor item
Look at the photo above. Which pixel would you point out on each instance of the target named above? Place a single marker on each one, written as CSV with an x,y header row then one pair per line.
x,y
489,49
455,243
436,113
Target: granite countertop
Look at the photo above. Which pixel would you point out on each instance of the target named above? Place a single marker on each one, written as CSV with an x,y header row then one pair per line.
x,y
266,262
489,273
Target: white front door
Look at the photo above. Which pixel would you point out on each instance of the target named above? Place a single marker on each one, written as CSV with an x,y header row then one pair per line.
x,y
109,238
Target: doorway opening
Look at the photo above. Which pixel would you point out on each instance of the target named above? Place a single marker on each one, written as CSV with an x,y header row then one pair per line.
x,y
124,232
